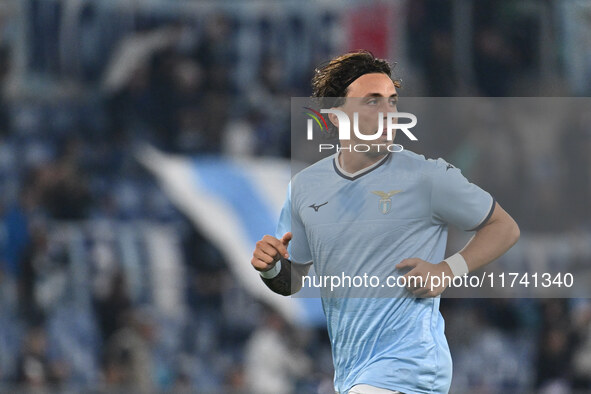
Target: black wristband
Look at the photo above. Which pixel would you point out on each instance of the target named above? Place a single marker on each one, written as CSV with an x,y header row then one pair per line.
x,y
281,283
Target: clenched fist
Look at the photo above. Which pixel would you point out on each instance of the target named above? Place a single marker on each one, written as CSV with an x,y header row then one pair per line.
x,y
269,250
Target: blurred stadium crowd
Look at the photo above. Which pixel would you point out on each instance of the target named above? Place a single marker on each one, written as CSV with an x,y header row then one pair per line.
x,y
88,240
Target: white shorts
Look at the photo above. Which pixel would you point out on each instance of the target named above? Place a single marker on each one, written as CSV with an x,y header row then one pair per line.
x,y
367,389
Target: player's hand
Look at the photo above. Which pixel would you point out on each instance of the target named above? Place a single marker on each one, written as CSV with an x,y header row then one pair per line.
x,y
420,280
269,250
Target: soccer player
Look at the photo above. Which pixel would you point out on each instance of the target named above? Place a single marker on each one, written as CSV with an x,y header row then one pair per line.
x,y
385,214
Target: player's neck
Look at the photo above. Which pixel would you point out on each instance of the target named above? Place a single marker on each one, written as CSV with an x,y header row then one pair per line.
x,y
352,162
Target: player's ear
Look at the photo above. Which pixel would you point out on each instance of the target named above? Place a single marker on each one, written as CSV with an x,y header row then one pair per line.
x,y
333,119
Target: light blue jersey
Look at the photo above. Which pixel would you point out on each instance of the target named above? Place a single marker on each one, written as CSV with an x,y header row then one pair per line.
x,y
366,223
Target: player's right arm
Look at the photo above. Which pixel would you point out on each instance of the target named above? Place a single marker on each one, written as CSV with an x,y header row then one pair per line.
x,y
271,259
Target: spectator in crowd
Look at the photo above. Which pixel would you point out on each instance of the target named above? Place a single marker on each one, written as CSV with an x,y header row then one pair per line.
x,y
35,370
111,304
554,367
129,359
43,276
272,367
581,363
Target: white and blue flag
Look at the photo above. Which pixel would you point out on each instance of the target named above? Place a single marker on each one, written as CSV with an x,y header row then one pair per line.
x,y
234,202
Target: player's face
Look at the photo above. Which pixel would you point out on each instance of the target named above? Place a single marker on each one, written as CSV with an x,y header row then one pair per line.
x,y
368,96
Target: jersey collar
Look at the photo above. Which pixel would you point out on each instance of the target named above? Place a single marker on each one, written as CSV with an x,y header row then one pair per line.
x,y
352,176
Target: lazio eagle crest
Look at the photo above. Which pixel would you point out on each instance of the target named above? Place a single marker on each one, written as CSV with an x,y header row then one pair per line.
x,y
385,204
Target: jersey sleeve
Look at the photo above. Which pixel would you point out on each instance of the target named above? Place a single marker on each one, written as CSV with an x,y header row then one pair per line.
x,y
456,201
289,220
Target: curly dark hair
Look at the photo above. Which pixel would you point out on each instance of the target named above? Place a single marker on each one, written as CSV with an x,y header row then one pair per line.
x,y
333,78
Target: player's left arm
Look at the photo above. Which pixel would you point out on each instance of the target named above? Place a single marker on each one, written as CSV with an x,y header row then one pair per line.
x,y
454,200
492,240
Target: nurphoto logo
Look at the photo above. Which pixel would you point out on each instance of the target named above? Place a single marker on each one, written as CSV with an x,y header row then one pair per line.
x,y
344,129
